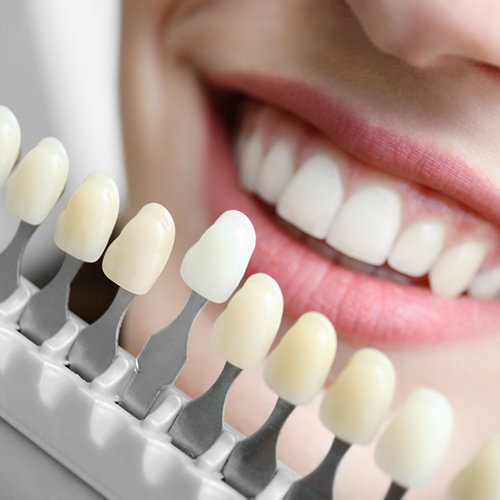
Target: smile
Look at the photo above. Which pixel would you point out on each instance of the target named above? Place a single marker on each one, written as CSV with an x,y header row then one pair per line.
x,y
387,253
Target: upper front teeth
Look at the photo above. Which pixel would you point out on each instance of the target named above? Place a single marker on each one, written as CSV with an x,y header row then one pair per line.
x,y
369,223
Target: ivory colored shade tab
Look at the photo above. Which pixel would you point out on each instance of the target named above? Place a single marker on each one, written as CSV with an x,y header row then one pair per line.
x,y
356,404
367,224
456,268
84,227
297,369
138,255
214,266
480,479
10,142
244,332
412,447
35,186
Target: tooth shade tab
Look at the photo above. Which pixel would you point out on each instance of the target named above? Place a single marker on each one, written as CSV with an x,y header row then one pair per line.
x,y
85,226
417,248
35,186
10,142
244,332
313,196
214,266
355,406
456,268
135,259
412,447
275,172
480,479
250,160
486,284
297,368
367,224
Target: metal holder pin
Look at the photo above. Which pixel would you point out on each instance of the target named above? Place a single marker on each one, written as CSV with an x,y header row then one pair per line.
x,y
96,345
47,311
161,360
201,421
253,462
395,492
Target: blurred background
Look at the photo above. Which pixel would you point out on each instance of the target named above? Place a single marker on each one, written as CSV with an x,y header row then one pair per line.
x,y
59,75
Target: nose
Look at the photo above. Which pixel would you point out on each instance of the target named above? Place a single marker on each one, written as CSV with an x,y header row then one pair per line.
x,y
426,32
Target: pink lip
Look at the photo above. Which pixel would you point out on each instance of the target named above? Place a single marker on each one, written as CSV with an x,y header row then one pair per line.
x,y
363,309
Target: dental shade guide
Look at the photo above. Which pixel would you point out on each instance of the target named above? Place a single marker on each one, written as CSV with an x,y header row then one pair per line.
x,y
213,270
82,230
72,440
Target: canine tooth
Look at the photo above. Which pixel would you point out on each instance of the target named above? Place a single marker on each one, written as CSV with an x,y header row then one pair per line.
x,y
417,248
313,196
214,265
456,267
358,401
367,224
275,171
251,151
135,259
84,227
414,443
486,285
297,369
10,142
244,332
34,188
479,480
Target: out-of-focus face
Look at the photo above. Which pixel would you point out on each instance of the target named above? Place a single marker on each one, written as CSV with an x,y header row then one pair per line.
x,y
393,108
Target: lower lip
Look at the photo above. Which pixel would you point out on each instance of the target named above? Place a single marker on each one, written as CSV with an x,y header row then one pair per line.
x,y
363,309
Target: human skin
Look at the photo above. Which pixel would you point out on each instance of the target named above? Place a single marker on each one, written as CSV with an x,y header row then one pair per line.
x,y
435,82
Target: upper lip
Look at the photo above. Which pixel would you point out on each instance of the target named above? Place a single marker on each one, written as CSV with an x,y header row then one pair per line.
x,y
369,142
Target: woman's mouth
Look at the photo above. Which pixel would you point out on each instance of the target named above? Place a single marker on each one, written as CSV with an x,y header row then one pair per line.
x,y
388,259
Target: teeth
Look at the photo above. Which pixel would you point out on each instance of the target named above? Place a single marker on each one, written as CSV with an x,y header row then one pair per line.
x,y
480,480
313,196
251,152
417,248
357,403
297,369
275,171
413,445
456,267
34,188
486,285
244,332
10,142
138,255
367,225
214,266
84,227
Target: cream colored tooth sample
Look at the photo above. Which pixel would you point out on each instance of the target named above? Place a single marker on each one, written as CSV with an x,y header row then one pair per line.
x,y
313,196
367,224
297,368
214,266
138,255
35,186
480,479
10,142
244,332
250,159
356,404
84,227
456,268
275,171
417,248
412,447
486,284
